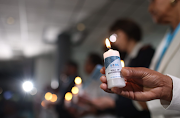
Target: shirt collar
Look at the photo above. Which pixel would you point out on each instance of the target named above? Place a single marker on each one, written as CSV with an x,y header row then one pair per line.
x,y
135,50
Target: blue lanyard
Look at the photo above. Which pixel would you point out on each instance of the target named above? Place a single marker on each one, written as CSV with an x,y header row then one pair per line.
x,y
170,36
94,76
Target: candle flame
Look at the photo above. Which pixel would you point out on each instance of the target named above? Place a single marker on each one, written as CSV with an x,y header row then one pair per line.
x,y
54,98
122,63
108,45
75,90
68,96
43,103
48,96
78,80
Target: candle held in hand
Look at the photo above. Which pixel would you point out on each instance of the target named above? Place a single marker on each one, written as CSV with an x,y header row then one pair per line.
x,y
113,67
68,98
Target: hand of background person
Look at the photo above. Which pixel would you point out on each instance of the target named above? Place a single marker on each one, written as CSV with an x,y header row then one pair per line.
x,y
103,103
142,84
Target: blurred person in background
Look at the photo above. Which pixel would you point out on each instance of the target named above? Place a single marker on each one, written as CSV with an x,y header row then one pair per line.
x,y
10,110
167,56
66,84
94,99
128,39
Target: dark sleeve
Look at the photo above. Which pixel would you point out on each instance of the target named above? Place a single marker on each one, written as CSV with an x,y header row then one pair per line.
x,y
143,58
125,108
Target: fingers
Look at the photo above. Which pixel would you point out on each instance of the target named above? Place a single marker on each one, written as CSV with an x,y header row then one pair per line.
x,y
102,70
104,85
116,90
132,73
103,79
105,88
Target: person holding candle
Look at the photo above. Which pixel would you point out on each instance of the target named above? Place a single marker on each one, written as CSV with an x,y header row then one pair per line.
x,y
166,59
94,99
126,37
66,84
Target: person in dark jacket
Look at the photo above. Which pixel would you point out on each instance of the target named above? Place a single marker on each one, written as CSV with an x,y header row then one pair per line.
x,y
126,36
66,84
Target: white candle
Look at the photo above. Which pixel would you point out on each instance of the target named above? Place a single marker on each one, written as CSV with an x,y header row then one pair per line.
x,y
68,98
78,82
113,68
75,92
67,103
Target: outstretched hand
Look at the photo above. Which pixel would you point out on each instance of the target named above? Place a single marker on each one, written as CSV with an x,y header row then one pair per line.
x,y
142,84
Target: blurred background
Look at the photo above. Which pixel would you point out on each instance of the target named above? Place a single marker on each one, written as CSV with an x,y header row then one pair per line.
x,y
38,38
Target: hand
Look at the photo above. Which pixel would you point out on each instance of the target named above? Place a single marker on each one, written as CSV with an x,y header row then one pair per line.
x,y
103,103
142,84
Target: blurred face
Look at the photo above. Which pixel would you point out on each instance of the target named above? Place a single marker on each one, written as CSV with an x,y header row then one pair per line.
x,y
88,67
70,70
161,10
122,41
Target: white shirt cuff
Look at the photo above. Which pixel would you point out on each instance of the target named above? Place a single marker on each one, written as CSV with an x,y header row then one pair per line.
x,y
175,102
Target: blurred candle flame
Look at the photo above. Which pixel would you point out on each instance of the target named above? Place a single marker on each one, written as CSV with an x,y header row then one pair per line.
x,y
48,96
43,103
108,45
68,96
54,98
122,63
78,80
75,90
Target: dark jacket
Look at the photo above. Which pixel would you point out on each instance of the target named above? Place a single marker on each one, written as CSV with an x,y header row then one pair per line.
x,y
60,108
124,106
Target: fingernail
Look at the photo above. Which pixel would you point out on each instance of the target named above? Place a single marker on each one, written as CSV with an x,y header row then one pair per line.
x,y
103,76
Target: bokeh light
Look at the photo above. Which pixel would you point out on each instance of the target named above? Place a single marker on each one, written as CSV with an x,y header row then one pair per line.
x,y
75,90
54,98
78,80
43,103
7,95
113,38
81,27
48,96
27,86
10,20
68,96
33,91
54,84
